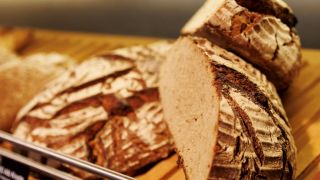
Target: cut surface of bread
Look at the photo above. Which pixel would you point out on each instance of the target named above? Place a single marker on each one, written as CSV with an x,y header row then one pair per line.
x,y
226,119
106,111
262,32
187,83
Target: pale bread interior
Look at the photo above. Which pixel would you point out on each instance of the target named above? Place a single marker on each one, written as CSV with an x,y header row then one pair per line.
x,y
191,106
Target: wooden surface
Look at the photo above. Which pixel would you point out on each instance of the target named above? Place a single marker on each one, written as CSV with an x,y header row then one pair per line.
x,y
302,101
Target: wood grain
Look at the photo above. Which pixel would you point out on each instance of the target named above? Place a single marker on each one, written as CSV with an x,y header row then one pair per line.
x,y
301,101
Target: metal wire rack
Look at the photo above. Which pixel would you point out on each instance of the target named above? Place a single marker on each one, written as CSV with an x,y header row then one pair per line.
x,y
44,161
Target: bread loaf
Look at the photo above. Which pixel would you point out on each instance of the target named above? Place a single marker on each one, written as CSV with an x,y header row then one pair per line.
x,y
15,39
6,56
277,8
262,32
226,119
23,78
11,41
106,111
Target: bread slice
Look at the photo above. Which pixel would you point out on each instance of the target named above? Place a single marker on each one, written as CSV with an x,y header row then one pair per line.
x,y
106,110
261,32
226,119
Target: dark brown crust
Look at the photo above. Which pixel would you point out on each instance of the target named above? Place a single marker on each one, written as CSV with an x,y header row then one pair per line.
x,y
244,21
254,137
241,82
230,78
247,127
229,41
270,8
260,39
117,161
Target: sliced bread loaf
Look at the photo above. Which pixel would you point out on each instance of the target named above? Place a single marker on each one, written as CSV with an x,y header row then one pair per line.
x,y
226,119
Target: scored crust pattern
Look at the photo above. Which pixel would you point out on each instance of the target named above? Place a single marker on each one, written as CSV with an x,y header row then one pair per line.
x,y
254,138
106,110
262,39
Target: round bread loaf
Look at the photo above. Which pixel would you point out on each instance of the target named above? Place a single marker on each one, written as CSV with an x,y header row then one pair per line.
x,y
260,31
15,39
23,78
226,119
106,111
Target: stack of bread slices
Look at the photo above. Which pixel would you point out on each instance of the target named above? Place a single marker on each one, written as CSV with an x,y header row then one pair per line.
x,y
219,105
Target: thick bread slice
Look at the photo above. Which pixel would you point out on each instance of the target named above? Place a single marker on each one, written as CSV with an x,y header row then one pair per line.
x,y
103,111
226,119
261,39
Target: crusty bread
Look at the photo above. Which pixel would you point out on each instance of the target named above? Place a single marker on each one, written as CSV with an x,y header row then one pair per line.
x,y
262,32
226,119
15,39
11,41
148,59
6,56
21,79
106,110
277,8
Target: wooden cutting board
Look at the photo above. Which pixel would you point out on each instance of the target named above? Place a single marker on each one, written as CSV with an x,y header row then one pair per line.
x,y
301,101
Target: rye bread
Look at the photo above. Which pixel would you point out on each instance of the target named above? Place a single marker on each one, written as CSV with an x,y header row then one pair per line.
x,y
261,32
226,118
106,111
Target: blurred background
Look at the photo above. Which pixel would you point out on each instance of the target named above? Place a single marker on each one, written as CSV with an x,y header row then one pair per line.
x,y
159,18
